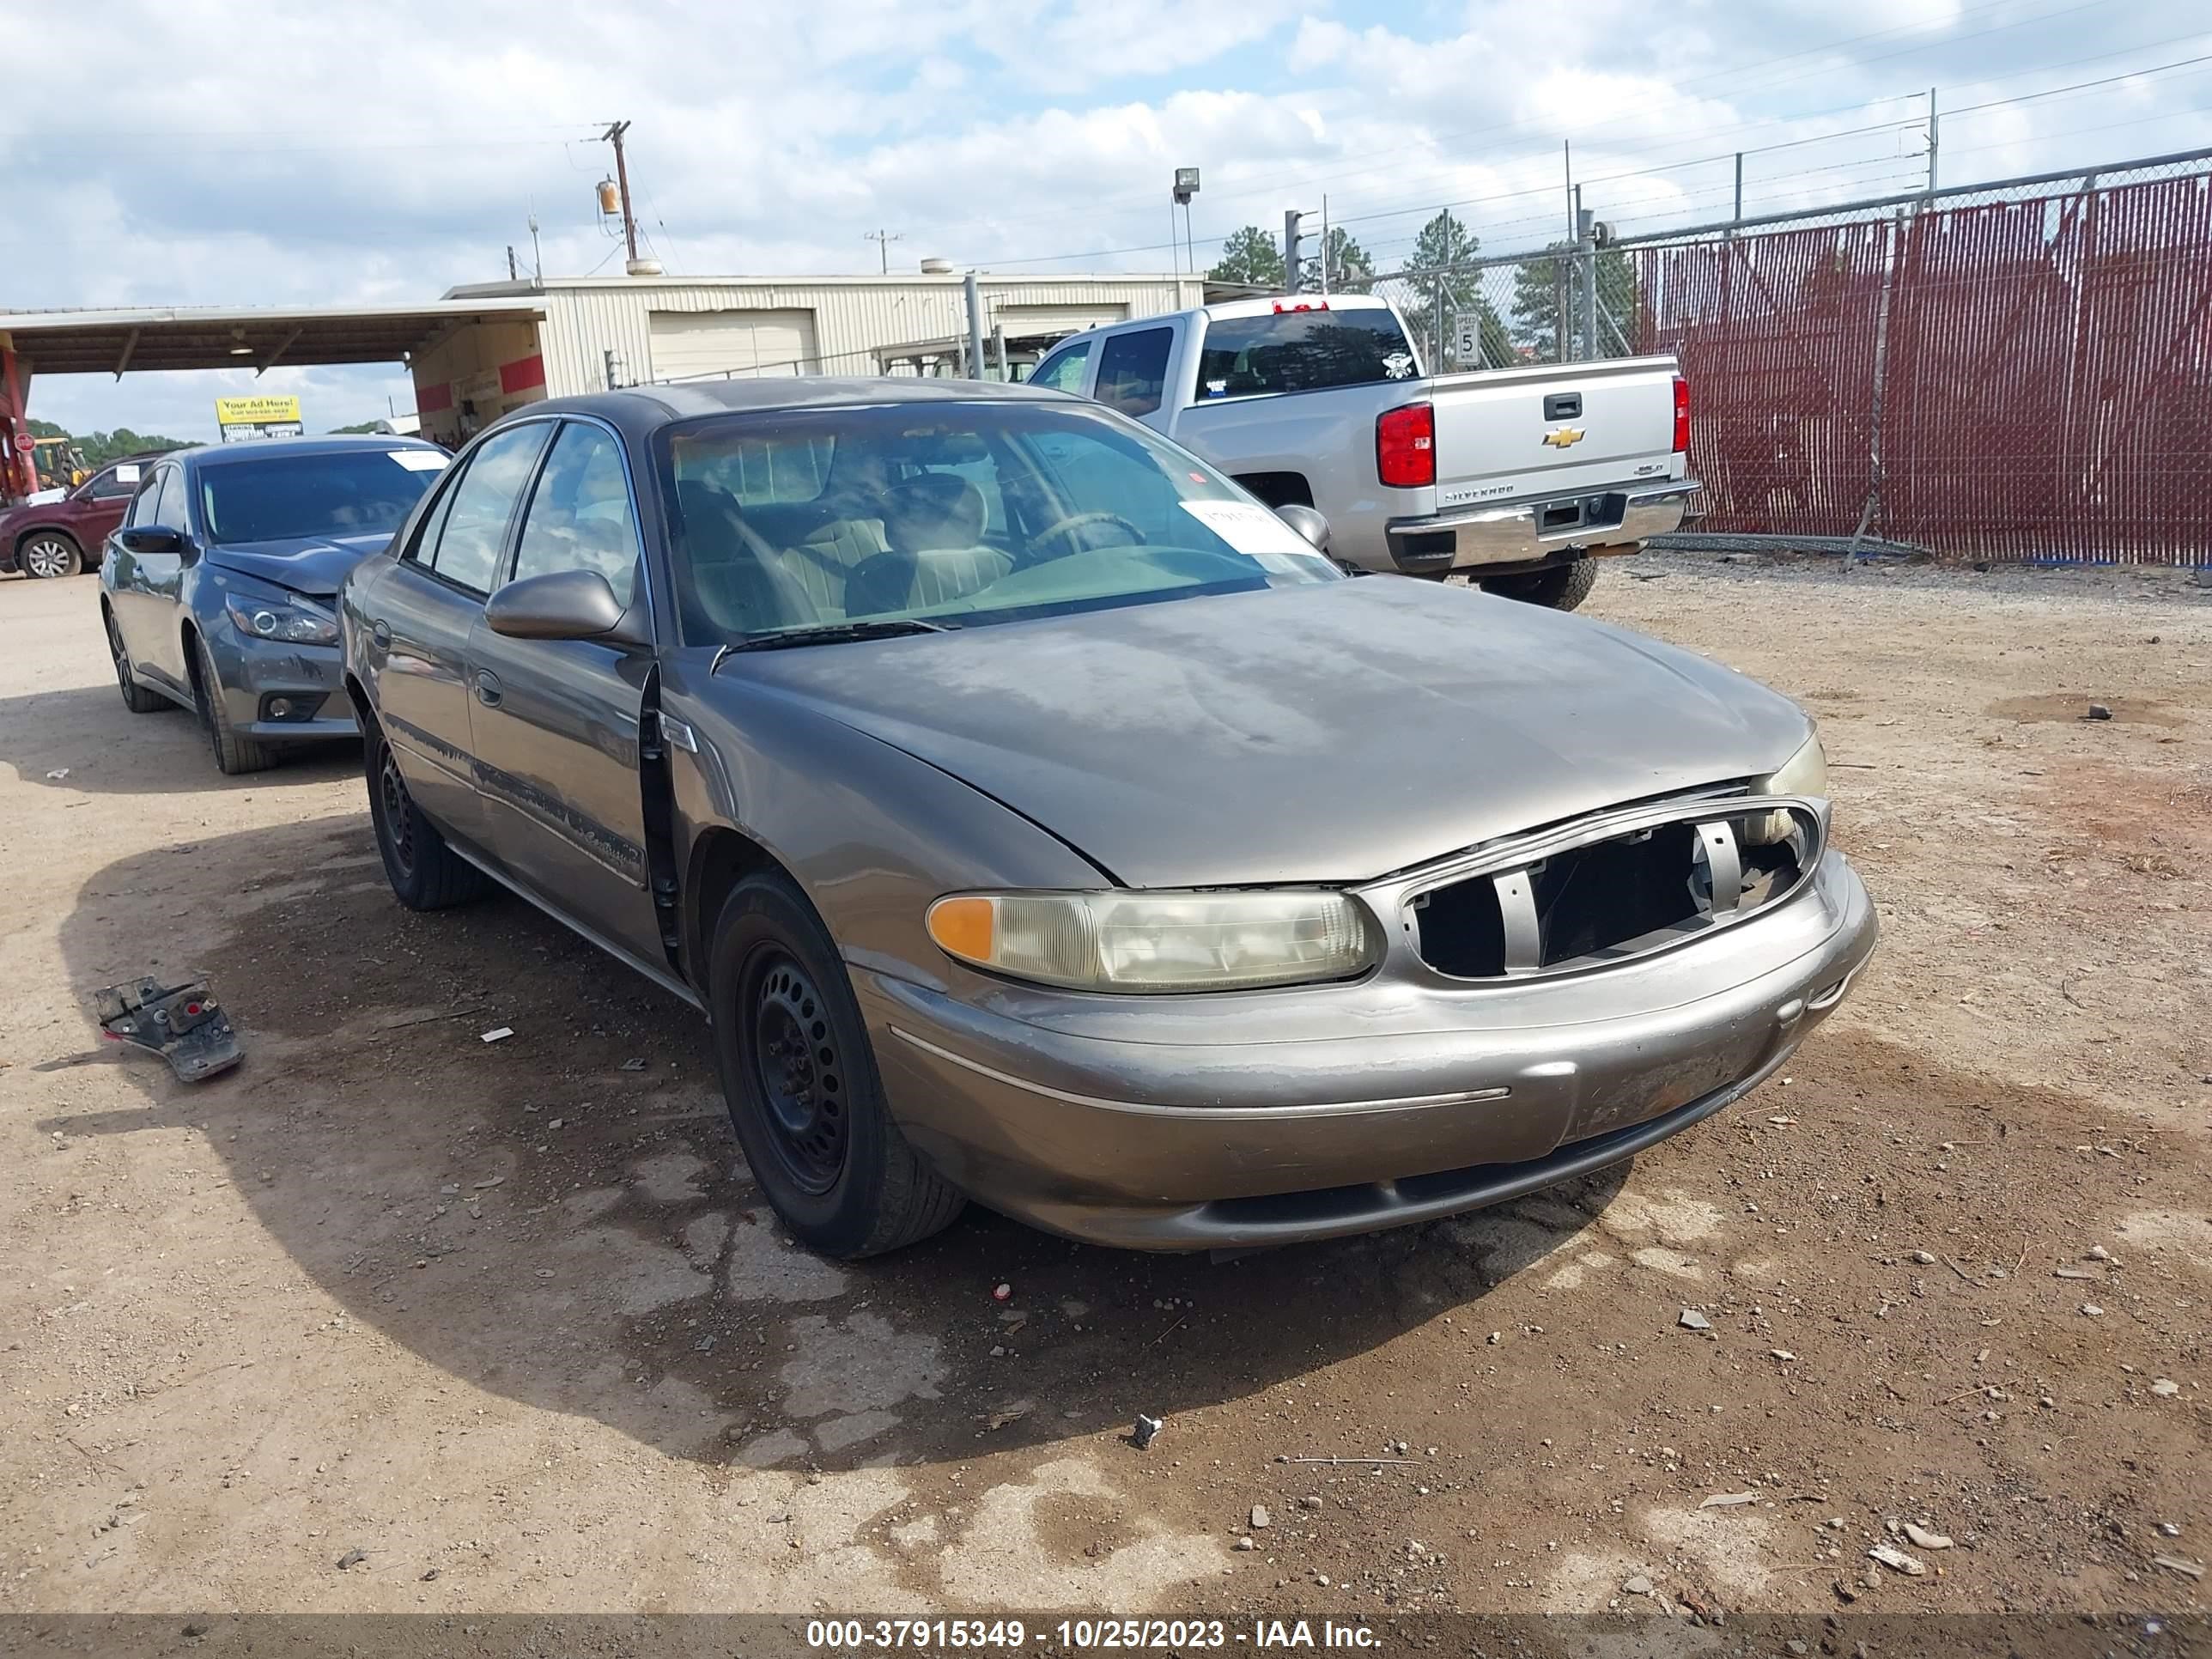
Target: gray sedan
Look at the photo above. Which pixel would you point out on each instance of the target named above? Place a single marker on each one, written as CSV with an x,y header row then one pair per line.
x,y
217,589
1036,818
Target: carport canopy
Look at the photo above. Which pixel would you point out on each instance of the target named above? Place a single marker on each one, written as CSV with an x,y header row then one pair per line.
x,y
255,337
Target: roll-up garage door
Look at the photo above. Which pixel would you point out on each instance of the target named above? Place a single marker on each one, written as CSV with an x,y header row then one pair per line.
x,y
707,343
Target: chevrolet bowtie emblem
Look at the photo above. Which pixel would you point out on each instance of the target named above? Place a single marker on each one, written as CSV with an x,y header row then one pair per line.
x,y
1564,436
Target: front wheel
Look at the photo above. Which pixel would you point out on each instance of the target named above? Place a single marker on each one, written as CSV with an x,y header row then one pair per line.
x,y
799,1077
234,753
425,873
49,554
1563,587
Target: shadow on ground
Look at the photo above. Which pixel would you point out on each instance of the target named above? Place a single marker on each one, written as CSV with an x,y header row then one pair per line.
x,y
561,1216
85,732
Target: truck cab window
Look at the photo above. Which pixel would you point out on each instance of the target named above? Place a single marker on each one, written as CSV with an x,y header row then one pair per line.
x,y
1133,370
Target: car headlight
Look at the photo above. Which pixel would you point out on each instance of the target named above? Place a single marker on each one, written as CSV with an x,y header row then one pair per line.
x,y
290,622
1804,773
1156,942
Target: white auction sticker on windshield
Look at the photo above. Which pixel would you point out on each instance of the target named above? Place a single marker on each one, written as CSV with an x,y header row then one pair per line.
x,y
419,460
1250,528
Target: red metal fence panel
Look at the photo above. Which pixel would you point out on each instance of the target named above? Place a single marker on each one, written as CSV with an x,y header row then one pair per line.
x,y
1776,336
2023,379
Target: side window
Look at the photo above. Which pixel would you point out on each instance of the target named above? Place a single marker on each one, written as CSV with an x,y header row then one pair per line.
x,y
116,481
474,534
1133,370
142,505
580,516
425,541
168,501
1063,370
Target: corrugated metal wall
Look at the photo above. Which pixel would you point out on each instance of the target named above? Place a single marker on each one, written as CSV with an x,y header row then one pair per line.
x,y
851,318
2020,379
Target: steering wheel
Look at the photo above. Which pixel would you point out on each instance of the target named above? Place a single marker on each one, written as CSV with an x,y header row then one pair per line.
x,y
1076,520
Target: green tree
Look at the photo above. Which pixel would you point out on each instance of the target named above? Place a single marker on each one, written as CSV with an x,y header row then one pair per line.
x,y
358,426
1350,265
1443,243
1537,286
98,449
1249,256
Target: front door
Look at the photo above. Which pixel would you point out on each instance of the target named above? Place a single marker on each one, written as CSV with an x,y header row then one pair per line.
x,y
556,721
147,585
423,613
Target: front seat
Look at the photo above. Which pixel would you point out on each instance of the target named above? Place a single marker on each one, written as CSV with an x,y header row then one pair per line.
x,y
933,525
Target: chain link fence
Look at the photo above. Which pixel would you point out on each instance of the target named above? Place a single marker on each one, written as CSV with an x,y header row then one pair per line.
x,y
2018,370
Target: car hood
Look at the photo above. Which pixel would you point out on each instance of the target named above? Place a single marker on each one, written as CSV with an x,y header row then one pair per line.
x,y
314,565
1328,734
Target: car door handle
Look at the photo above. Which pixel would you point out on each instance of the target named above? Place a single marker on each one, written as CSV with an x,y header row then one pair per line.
x,y
488,691
381,631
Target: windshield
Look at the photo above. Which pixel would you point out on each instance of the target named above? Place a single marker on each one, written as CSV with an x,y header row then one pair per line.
x,y
363,492
957,513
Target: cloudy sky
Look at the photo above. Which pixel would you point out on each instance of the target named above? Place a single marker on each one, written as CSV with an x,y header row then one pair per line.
x,y
236,154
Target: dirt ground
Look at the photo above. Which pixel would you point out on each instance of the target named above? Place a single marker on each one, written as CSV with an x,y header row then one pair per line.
x,y
392,1319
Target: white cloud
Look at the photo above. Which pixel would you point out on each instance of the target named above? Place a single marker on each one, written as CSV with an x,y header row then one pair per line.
x,y
325,155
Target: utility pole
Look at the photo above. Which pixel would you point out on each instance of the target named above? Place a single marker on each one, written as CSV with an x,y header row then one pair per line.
x,y
512,274
974,329
1739,184
614,136
1324,246
1290,251
882,239
537,257
1931,141
1586,275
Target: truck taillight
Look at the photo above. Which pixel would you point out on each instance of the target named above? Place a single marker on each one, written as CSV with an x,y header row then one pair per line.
x,y
1681,416
1406,446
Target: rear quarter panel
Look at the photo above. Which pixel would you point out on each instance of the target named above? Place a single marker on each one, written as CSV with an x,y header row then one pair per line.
x,y
1326,437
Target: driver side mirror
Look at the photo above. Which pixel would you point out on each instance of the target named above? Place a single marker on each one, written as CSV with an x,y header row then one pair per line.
x,y
1307,522
150,538
562,604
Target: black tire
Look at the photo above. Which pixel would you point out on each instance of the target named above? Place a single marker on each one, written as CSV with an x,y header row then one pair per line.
x,y
136,697
425,873
45,554
799,1077
233,754
1563,587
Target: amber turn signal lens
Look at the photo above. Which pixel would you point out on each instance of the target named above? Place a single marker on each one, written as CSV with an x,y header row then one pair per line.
x,y
965,927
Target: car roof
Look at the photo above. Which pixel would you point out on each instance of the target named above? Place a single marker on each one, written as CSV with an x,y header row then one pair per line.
x,y
252,449
640,410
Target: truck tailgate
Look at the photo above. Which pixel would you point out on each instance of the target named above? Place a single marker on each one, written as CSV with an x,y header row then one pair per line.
x,y
1552,430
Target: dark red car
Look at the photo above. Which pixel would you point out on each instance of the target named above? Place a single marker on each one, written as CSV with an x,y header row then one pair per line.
x,y
62,537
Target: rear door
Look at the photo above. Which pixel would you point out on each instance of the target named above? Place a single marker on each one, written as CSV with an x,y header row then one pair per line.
x,y
1134,370
423,612
554,722
148,605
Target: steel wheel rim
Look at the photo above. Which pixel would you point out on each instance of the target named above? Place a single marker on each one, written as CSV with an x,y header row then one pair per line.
x,y
392,802
122,658
46,557
798,1072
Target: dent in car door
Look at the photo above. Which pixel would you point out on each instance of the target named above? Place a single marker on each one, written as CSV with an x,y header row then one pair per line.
x,y
420,620
554,722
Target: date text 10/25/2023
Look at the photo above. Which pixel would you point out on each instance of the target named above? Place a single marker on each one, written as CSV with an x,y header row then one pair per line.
x,y
985,1635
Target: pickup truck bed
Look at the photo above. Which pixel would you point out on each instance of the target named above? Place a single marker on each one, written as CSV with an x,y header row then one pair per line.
x,y
1509,475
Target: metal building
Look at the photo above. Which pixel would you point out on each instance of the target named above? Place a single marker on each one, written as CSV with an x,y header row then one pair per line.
x,y
587,333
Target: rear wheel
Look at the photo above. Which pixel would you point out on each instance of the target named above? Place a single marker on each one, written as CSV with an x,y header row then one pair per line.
x,y
136,697
48,553
425,873
233,754
800,1076
1563,587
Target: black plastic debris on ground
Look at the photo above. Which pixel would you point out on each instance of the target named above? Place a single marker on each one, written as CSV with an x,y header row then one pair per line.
x,y
183,1024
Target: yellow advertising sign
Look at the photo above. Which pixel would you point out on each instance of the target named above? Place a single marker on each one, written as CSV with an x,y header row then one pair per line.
x,y
255,411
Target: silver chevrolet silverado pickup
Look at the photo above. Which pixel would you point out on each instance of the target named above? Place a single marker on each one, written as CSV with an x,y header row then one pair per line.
x,y
1515,477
